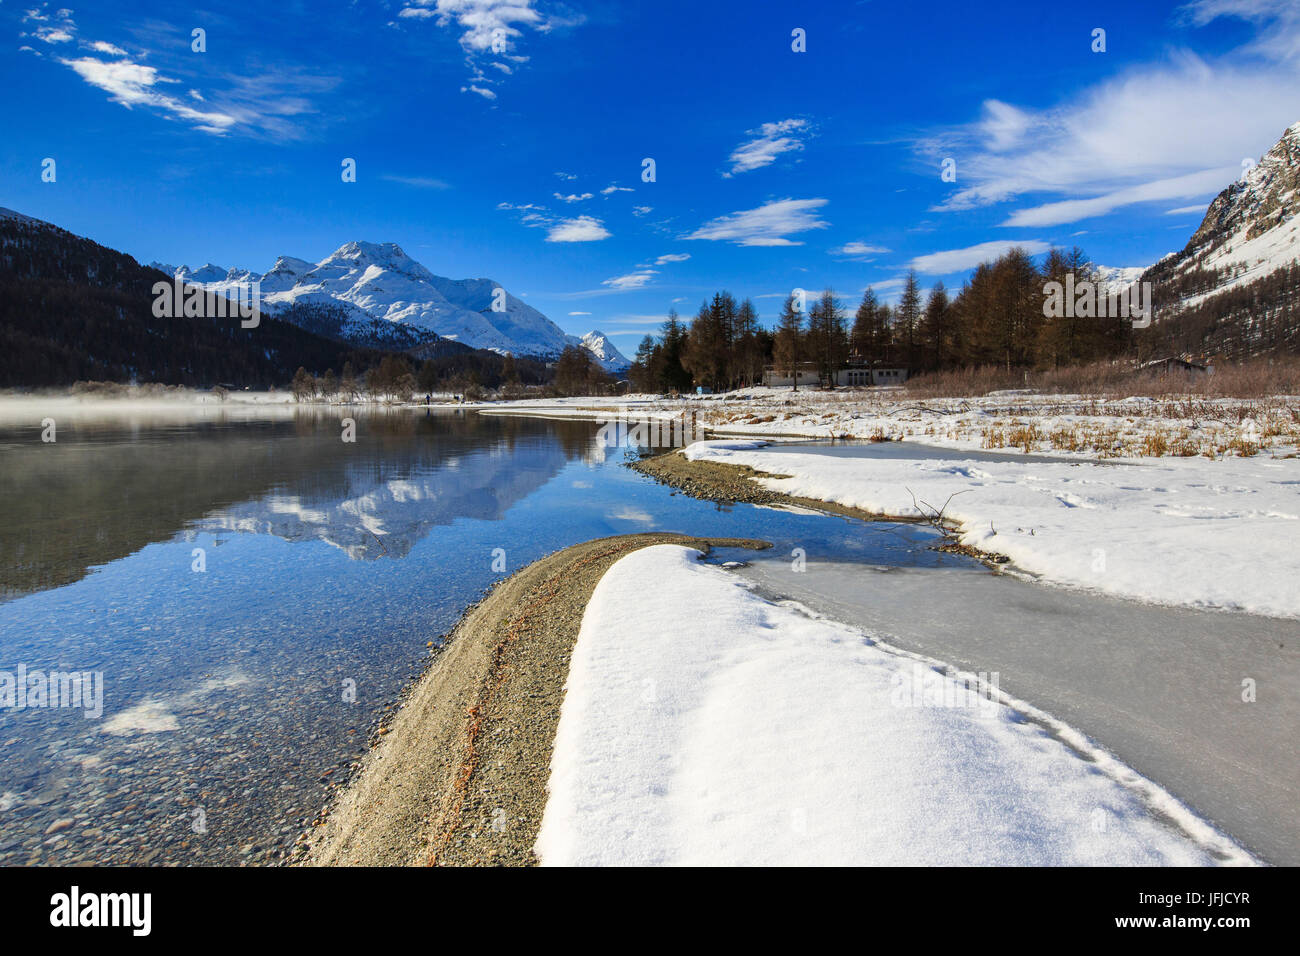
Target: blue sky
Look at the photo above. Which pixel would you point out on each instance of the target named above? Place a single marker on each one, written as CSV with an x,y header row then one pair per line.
x,y
507,139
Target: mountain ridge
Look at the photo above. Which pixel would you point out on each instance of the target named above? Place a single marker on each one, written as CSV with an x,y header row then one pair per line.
x,y
378,282
1234,288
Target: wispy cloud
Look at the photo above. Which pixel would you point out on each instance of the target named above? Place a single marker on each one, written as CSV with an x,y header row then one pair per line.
x,y
1278,22
633,280
419,182
259,103
673,257
767,143
1073,210
1178,128
858,250
958,260
101,46
134,84
573,197
768,225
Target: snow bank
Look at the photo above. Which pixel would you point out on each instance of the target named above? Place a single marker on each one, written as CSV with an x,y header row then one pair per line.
x,y
1181,531
704,725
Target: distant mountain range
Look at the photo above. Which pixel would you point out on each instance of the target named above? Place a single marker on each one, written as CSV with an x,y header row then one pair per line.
x,y
377,291
72,310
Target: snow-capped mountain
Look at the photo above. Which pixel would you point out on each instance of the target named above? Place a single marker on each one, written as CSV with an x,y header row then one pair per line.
x,y
603,351
378,282
1232,279
1251,227
1115,279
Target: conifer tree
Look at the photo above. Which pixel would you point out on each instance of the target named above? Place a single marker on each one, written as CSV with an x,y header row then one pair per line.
x,y
787,348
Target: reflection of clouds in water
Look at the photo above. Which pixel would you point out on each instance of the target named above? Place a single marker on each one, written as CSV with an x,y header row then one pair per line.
x,y
582,484
157,714
632,514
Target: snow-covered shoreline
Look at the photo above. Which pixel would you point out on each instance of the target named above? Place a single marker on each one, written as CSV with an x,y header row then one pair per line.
x,y
720,728
1146,499
1085,426
1186,532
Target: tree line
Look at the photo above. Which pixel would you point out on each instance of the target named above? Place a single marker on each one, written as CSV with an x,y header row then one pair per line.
x,y
995,319
472,375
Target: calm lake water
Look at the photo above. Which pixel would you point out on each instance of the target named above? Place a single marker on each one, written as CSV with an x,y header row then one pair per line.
x,y
256,593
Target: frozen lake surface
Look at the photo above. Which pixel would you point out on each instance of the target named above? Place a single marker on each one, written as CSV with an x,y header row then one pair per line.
x,y
1160,688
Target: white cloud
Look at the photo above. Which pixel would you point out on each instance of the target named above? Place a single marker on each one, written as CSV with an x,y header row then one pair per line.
x,y
887,285
487,28
579,313
615,189
1004,125
1176,128
48,32
581,229
768,225
132,84
1072,210
54,34
1278,20
573,197
633,280
642,210
857,249
481,22
769,141
673,257
1184,210
957,260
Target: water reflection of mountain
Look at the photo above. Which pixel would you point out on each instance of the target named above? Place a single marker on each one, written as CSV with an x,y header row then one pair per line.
x,y
108,488
376,516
